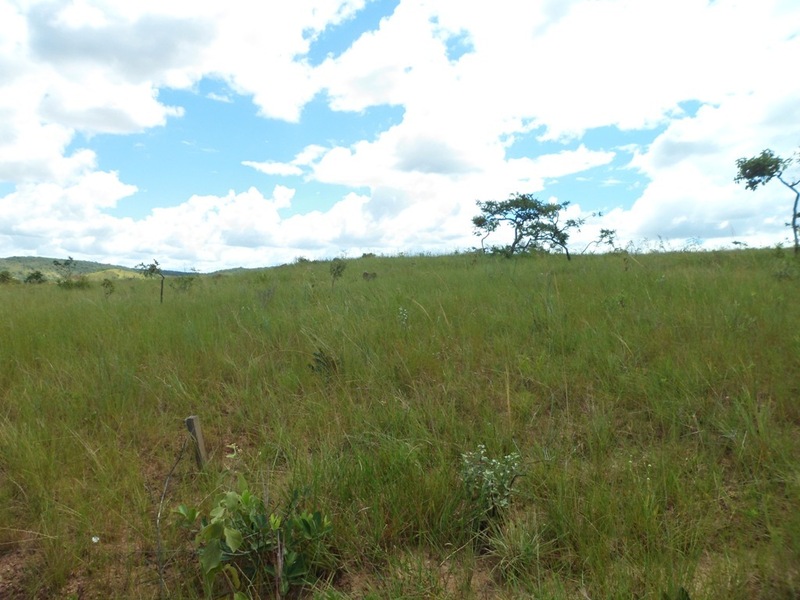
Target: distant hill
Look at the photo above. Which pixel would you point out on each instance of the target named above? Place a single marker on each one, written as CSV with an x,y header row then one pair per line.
x,y
22,266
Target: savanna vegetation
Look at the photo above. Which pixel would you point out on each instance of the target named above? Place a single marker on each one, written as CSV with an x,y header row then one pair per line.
x,y
616,426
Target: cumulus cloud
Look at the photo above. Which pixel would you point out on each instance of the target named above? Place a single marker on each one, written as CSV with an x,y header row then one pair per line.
x,y
274,168
471,81
136,51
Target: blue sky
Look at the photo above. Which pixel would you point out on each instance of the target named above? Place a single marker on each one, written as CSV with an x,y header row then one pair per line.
x,y
210,135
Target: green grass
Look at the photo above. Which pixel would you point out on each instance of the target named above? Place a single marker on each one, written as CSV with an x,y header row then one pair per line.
x,y
653,400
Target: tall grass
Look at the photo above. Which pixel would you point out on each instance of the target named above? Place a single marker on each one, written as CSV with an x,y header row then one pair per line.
x,y
652,398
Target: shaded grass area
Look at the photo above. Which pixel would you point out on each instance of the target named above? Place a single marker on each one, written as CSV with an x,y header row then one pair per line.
x,y
652,398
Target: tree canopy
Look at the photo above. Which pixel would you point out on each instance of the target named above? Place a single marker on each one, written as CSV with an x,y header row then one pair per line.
x,y
761,169
153,270
536,225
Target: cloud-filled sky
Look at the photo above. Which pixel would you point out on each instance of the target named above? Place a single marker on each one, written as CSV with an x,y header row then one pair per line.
x,y
210,135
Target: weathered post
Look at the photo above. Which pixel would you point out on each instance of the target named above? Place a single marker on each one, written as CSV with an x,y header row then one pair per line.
x,y
193,425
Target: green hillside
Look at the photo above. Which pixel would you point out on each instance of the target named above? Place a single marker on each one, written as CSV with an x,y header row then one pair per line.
x,y
468,426
21,266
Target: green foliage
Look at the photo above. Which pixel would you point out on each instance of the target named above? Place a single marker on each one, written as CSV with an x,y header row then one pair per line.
x,y
489,484
402,317
761,169
536,224
108,287
680,594
337,268
250,549
153,270
67,278
324,363
608,237
35,277
79,282
5,277
65,269
183,283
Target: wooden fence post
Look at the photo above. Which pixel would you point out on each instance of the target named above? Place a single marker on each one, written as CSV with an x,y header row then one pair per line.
x,y
193,425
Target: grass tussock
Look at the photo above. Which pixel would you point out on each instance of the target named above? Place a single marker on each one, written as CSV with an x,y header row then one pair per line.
x,y
651,400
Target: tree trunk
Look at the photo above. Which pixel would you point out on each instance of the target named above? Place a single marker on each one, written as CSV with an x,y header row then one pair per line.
x,y
793,187
794,222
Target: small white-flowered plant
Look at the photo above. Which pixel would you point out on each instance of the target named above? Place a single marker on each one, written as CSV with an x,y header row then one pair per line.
x,y
402,316
489,482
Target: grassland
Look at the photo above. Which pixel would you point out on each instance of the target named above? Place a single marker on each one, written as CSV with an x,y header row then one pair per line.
x,y
653,400
21,267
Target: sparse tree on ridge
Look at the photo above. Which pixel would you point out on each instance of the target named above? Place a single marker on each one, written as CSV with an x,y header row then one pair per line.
x,y
536,224
35,277
153,270
759,170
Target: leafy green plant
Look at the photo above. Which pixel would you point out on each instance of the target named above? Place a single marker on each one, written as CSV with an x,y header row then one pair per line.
x,y
324,364
183,283
35,277
108,287
489,484
68,280
337,269
5,277
680,594
402,317
65,268
153,270
249,548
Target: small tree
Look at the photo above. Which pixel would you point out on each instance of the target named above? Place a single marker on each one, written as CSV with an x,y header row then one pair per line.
x,y
35,277
67,277
607,237
108,287
6,277
536,224
337,269
153,270
759,170
65,269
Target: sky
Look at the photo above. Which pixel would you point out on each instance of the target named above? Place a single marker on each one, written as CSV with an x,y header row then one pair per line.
x,y
210,135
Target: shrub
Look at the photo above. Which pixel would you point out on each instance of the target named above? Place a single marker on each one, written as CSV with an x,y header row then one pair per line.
x,y
489,484
337,269
249,548
80,282
35,277
183,283
108,287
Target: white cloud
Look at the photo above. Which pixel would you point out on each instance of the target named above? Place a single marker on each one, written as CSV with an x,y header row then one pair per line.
x,y
273,168
220,97
470,79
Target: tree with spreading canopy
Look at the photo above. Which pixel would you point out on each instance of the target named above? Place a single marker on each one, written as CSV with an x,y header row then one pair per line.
x,y
537,225
761,169
153,270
